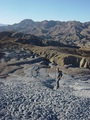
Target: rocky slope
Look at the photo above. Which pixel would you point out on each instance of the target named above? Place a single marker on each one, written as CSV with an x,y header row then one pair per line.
x,y
29,95
64,56
69,33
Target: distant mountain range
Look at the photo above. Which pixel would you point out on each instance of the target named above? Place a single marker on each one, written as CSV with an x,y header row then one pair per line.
x,y
8,37
70,33
3,24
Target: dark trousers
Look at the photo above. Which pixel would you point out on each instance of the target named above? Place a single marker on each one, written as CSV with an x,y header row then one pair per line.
x,y
57,84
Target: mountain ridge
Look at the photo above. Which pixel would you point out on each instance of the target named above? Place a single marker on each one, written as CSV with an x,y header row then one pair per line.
x,y
72,33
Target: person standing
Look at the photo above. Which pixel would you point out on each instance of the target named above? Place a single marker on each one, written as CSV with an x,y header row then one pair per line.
x,y
58,77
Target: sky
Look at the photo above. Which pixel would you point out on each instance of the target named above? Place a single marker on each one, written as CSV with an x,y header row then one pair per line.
x,y
14,11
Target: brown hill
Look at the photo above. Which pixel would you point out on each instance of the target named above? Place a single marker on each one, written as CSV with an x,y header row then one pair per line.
x,y
51,50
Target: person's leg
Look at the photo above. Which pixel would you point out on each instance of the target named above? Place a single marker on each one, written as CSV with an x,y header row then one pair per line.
x,y
57,84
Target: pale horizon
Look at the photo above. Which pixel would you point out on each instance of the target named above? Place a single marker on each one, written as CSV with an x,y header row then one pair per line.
x,y
12,12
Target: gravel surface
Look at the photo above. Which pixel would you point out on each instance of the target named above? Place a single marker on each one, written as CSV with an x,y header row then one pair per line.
x,y
32,97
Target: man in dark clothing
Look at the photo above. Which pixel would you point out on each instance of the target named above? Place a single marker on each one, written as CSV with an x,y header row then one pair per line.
x,y
58,77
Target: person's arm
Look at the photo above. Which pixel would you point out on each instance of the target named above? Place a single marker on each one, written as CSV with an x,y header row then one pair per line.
x,y
59,77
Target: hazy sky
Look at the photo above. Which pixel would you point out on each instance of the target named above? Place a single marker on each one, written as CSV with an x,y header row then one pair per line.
x,y
13,11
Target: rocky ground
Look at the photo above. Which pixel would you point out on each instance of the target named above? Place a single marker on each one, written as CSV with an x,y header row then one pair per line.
x,y
27,89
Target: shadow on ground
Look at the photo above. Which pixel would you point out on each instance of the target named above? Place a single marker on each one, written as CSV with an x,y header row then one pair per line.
x,y
49,83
